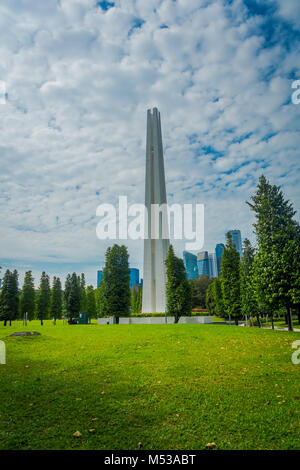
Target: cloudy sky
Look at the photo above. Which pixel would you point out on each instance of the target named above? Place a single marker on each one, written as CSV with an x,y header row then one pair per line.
x,y
80,75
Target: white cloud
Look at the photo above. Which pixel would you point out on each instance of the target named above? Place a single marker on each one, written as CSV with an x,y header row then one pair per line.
x,y
79,81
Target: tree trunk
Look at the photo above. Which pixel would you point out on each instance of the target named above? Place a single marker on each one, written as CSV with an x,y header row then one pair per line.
x,y
9,322
236,321
272,321
290,319
42,322
5,321
286,317
298,313
258,321
176,319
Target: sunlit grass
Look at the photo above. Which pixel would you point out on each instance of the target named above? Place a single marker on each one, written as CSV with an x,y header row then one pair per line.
x,y
166,386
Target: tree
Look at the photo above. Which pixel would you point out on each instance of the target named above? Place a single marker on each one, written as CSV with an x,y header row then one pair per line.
x,y
100,300
67,293
44,298
278,257
56,299
136,299
214,298
249,305
5,298
230,279
199,288
178,288
28,296
115,281
90,302
134,306
83,299
9,301
139,298
217,291
14,296
73,301
211,299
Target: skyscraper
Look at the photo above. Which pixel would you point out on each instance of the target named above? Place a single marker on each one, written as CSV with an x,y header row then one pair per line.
x,y
237,240
190,264
99,277
155,246
203,263
134,277
219,254
212,265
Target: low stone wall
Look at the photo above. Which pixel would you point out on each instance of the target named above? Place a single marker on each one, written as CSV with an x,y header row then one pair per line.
x,y
155,320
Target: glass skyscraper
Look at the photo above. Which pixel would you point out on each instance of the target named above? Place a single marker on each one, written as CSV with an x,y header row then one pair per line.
x,y
99,277
219,254
212,265
134,277
203,263
190,264
237,240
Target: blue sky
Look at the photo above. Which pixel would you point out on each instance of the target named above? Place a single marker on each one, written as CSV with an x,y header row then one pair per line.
x,y
80,75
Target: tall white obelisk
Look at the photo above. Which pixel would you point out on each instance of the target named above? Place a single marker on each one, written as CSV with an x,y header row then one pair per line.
x,y
155,246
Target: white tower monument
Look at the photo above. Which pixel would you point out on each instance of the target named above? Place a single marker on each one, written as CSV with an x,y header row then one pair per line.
x,y
156,222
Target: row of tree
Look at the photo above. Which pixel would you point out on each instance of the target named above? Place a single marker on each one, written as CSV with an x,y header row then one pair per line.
x,y
267,278
46,302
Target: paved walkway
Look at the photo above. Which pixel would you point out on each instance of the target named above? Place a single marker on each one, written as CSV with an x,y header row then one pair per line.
x,y
279,328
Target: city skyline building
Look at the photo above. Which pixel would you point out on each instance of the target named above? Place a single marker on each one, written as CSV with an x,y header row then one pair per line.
x,y
190,264
134,277
156,242
99,276
212,265
237,240
219,254
203,263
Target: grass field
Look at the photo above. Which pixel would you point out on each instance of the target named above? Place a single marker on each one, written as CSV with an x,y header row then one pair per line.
x,y
165,386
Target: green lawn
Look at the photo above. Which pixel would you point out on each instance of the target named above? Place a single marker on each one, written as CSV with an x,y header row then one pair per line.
x,y
165,386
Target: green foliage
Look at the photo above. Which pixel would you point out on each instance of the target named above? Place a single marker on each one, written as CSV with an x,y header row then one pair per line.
x,y
136,299
28,296
210,299
74,298
9,300
217,291
83,299
56,299
116,279
44,298
100,300
178,289
230,279
249,305
91,302
276,268
67,294
199,288
134,307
